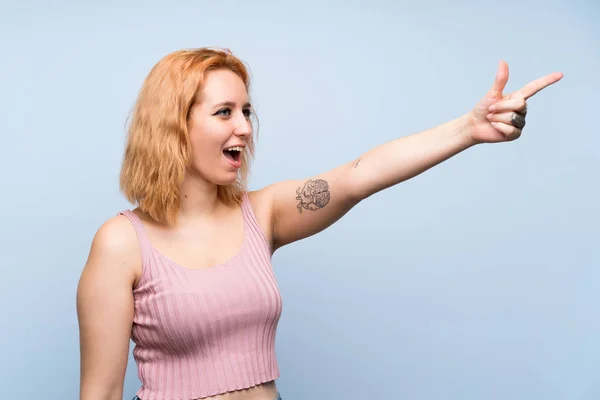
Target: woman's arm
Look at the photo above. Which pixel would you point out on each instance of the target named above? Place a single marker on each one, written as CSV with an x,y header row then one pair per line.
x,y
105,309
301,208
407,157
304,207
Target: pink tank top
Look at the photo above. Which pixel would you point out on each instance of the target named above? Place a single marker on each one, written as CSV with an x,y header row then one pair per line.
x,y
200,333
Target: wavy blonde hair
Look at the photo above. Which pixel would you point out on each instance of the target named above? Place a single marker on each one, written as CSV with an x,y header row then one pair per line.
x,y
158,151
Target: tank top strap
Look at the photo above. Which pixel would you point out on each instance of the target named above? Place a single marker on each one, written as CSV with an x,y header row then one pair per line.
x,y
144,242
247,210
251,222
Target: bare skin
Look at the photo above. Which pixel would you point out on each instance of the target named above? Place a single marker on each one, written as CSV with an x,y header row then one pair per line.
x,y
286,211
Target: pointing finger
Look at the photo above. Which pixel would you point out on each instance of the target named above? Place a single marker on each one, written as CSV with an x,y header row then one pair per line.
x,y
535,86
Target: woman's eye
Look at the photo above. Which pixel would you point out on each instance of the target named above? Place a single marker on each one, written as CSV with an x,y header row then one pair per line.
x,y
225,111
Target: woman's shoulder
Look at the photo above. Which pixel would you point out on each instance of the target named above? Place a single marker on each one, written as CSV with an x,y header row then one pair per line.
x,y
116,235
115,250
261,201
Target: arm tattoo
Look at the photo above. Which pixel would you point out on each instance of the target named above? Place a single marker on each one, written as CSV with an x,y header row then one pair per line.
x,y
356,163
313,195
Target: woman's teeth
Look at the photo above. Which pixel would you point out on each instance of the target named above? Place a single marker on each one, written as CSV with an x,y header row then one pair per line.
x,y
236,148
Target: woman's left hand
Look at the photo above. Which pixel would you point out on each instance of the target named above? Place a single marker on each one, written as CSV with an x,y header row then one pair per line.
x,y
501,117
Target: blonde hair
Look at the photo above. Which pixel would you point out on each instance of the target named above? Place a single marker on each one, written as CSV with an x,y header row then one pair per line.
x,y
158,150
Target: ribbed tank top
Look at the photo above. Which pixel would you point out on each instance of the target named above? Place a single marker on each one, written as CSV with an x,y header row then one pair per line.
x,y
204,332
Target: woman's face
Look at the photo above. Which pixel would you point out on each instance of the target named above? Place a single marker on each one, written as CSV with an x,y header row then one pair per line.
x,y
220,127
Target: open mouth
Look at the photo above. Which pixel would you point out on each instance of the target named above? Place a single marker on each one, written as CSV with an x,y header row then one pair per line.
x,y
233,153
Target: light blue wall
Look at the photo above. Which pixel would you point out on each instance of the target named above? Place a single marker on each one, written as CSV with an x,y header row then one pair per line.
x,y
476,280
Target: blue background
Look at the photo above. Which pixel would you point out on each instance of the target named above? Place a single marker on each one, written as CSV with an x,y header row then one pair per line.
x,y
479,279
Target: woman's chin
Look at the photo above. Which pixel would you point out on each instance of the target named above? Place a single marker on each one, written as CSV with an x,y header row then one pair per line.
x,y
226,180
222,179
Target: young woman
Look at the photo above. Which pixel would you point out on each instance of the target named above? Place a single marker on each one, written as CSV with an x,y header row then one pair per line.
x,y
187,275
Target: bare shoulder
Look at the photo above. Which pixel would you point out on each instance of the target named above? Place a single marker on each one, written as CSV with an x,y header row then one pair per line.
x,y
115,251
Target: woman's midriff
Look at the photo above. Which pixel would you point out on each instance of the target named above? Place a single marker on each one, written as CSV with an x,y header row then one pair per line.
x,y
264,391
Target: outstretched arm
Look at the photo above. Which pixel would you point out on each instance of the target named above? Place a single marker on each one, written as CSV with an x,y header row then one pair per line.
x,y
301,208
